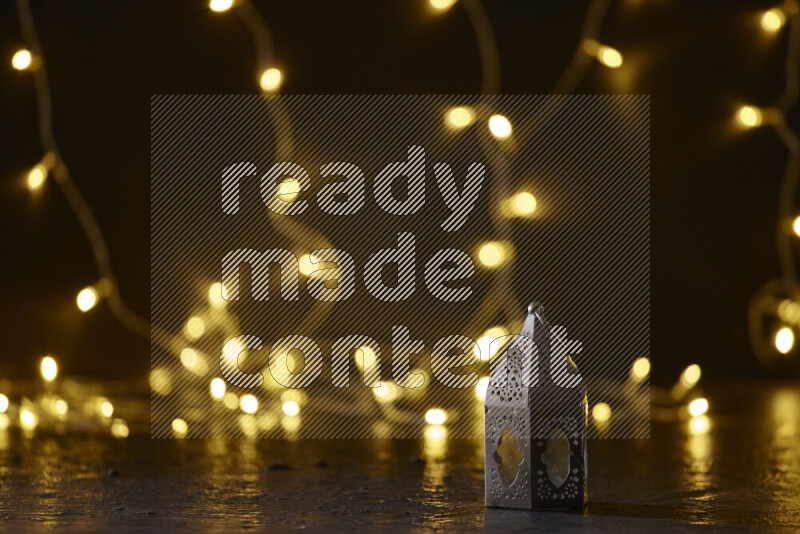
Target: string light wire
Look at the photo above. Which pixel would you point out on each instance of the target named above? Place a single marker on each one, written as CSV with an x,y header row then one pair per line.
x,y
764,302
305,237
127,317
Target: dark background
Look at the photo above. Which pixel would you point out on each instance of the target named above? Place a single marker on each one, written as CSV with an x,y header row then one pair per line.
x,y
714,188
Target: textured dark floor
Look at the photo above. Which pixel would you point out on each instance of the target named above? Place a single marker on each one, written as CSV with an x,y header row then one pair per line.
x,y
744,472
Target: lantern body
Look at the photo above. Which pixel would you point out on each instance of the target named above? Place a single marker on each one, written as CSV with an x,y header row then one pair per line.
x,y
535,418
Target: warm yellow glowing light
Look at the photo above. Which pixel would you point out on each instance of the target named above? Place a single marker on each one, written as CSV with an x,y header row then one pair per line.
x,y
288,190
500,126
86,299
159,381
189,358
691,375
610,57
230,400
220,5
484,348
482,387
435,416
784,340
368,361
215,295
21,60
749,116
386,392
459,117
442,5
217,388
640,369
119,428
493,254
3,403
601,412
248,404
291,408
523,204
179,426
28,419
698,407
297,395
36,177
5,421
48,368
789,311
195,327
773,20
106,409
271,79
307,264
699,425
435,433
232,349
796,225
61,407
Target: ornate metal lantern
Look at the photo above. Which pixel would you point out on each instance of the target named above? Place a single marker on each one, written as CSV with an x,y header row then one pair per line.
x,y
535,422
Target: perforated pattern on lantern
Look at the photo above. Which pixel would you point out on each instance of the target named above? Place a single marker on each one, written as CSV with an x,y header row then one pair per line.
x,y
573,484
513,389
497,423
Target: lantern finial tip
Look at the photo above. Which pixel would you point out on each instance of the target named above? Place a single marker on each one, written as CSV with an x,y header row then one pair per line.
x,y
535,307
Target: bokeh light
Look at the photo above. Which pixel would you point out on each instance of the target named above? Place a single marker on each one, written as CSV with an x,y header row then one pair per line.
x,y
484,347
48,368
610,57
271,79
459,117
523,204
119,428
493,254
601,412
442,5
698,407
640,369
220,5
749,116
482,387
435,416
180,427
784,340
106,409
87,299
36,177
21,59
773,19
291,408
386,392
217,388
691,375
248,403
28,419
215,295
195,327
699,425
500,126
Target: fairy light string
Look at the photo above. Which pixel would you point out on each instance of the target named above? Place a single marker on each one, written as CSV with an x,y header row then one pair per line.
x,y
498,260
778,298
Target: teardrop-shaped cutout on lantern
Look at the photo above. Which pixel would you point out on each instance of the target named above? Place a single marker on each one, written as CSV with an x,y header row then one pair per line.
x,y
556,457
508,457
